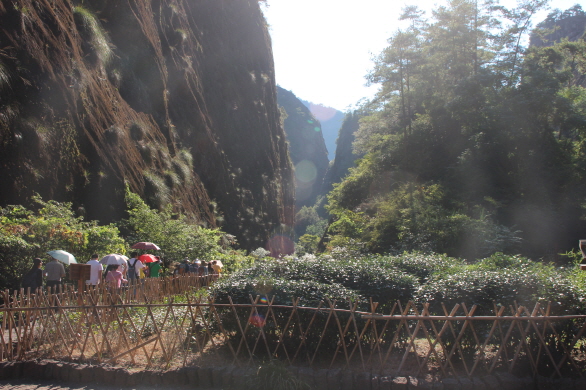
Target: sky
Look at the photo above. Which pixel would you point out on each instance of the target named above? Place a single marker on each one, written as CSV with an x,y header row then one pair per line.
x,y
323,49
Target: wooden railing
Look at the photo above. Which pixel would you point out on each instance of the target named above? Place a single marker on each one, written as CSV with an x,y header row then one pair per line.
x,y
140,327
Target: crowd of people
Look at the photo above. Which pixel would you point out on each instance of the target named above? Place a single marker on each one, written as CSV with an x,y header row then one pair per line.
x,y
114,271
198,267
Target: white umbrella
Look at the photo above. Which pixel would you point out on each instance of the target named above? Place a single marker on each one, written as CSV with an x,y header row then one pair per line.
x,y
62,256
114,258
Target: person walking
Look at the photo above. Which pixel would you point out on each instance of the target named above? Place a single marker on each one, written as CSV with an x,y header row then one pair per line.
x,y
33,279
95,271
54,271
203,269
154,268
134,267
114,277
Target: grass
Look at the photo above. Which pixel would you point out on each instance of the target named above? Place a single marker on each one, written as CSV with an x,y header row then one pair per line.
x,y
97,36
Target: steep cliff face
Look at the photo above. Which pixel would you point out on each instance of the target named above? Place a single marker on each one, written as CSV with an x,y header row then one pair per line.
x,y
345,158
175,98
307,147
331,121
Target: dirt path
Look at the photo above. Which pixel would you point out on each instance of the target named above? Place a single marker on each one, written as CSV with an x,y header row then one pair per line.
x,y
52,385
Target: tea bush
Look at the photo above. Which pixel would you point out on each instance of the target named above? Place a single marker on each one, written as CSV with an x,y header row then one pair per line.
x,y
367,277
525,285
424,265
241,287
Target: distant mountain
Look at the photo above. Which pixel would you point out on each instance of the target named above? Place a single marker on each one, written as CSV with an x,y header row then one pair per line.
x,y
345,158
570,24
331,121
306,148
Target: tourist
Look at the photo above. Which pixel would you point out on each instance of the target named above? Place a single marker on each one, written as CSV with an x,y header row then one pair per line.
x,y
217,267
114,278
121,261
33,279
194,267
155,268
54,271
197,263
184,269
95,271
203,269
134,268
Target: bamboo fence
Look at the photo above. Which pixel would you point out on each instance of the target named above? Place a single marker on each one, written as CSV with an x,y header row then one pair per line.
x,y
166,323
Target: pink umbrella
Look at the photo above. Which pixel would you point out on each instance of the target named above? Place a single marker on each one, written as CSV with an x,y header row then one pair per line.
x,y
147,258
145,245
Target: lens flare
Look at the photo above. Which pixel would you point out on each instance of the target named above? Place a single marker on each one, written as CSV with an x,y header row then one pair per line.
x,y
257,320
305,171
264,300
322,113
280,245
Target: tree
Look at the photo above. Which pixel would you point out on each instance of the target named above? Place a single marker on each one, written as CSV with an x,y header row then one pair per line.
x,y
497,128
26,234
172,232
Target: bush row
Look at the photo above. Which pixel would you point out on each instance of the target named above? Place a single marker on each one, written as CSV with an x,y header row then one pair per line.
x,y
432,278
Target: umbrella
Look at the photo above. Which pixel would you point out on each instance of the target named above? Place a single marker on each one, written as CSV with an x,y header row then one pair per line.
x,y
62,256
147,258
113,258
145,245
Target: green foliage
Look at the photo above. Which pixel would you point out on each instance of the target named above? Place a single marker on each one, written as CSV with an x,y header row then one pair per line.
x,y
505,280
307,244
472,143
424,265
174,233
322,278
282,290
233,260
26,234
304,218
414,217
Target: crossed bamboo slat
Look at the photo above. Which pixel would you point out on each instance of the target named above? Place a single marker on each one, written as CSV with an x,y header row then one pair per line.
x,y
138,327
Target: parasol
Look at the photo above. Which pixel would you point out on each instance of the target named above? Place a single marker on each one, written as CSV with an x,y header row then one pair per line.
x,y
145,245
62,256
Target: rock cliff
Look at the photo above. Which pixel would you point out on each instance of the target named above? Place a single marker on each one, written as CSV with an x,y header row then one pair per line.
x,y
307,147
176,99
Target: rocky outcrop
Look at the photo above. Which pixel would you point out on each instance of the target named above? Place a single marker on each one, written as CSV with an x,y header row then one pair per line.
x,y
345,157
175,99
307,148
570,24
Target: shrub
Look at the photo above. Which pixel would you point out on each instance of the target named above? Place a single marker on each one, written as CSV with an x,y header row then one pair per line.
x,y
367,277
173,232
240,287
508,286
26,234
424,265
92,31
156,190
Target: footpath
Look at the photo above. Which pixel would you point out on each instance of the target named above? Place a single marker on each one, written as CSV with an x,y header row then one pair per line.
x,y
23,384
55,375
